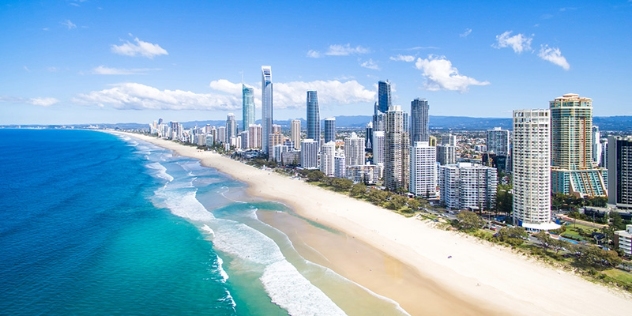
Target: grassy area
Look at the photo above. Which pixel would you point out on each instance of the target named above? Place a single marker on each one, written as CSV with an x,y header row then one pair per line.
x,y
621,278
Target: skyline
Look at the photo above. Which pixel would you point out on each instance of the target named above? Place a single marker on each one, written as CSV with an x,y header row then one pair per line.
x,y
67,62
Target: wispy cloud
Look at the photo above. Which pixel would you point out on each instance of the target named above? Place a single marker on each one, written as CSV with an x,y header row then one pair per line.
x,y
420,48
103,70
26,69
68,24
370,64
554,55
406,58
314,54
226,96
43,101
518,42
141,48
346,50
441,75
466,33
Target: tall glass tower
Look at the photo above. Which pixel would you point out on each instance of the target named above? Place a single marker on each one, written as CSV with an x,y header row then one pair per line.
x,y
266,107
383,95
313,116
248,106
419,121
330,129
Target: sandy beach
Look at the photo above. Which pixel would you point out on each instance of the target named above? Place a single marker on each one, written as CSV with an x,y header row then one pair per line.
x,y
426,270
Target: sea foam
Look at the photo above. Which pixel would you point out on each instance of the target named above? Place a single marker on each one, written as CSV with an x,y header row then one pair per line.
x,y
161,171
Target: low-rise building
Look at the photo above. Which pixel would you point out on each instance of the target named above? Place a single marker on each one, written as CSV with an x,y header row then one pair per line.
x,y
623,240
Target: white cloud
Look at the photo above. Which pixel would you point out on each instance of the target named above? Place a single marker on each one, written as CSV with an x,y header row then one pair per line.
x,y
554,55
68,24
466,33
345,50
43,101
313,54
141,48
406,58
518,42
225,97
370,64
136,96
441,75
102,70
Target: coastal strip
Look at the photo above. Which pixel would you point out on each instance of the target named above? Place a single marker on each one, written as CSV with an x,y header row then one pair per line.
x,y
469,276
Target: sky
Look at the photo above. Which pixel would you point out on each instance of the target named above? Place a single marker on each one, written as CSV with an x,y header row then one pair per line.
x,y
89,61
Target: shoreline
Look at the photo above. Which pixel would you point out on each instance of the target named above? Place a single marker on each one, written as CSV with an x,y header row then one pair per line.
x,y
479,278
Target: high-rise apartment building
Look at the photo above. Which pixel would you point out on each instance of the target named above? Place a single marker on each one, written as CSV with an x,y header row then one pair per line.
x,y
330,129
354,150
498,141
245,139
276,129
596,145
248,106
448,139
378,147
368,136
309,154
231,127
423,170
396,150
327,154
295,134
221,134
466,185
266,107
572,169
603,143
273,140
620,171
419,129
340,166
446,154
254,136
313,116
531,169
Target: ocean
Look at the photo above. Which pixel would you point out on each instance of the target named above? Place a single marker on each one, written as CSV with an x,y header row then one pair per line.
x,y
98,223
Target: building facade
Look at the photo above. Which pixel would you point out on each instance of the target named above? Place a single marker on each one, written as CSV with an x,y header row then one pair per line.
x,y
423,170
378,147
330,129
468,186
327,154
295,133
384,96
266,107
231,127
396,150
620,171
354,150
254,136
531,169
498,141
446,154
309,154
313,116
248,106
419,129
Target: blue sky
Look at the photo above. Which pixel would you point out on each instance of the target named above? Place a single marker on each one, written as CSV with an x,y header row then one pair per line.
x,y
67,62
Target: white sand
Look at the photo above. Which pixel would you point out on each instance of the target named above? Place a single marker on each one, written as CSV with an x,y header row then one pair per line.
x,y
493,276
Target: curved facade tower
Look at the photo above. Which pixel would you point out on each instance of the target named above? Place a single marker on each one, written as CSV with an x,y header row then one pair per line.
x,y
313,116
266,107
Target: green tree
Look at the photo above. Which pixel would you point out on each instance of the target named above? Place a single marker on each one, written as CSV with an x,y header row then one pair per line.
x,y
358,190
514,236
341,184
315,175
593,257
414,204
504,199
616,222
469,221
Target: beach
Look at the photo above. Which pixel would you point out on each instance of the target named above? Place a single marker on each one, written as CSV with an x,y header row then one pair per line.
x,y
426,270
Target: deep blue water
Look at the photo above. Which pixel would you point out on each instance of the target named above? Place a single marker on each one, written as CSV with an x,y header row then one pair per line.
x,y
93,223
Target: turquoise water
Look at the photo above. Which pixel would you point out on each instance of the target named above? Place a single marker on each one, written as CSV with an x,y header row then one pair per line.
x,y
100,224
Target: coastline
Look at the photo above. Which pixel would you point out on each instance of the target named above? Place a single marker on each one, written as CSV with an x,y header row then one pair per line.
x,y
478,278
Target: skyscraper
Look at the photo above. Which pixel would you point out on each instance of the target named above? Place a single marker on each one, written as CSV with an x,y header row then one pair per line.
x,y
354,150
498,141
531,166
396,150
596,145
254,135
330,129
248,106
327,154
423,170
266,107
309,154
419,130
313,116
571,143
384,96
466,185
231,127
378,147
369,136
295,133
620,171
